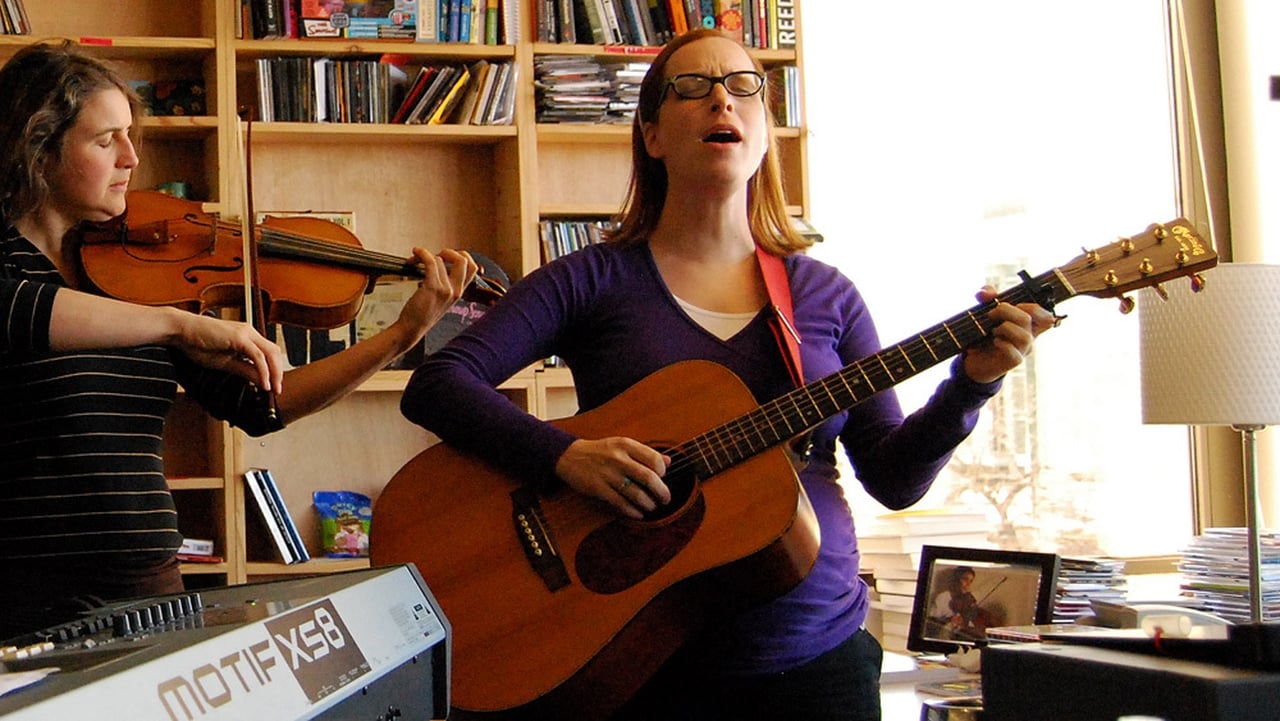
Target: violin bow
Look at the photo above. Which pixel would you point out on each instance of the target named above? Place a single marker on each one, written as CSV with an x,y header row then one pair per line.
x,y
253,303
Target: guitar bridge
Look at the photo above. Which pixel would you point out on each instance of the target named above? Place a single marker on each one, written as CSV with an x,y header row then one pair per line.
x,y
535,539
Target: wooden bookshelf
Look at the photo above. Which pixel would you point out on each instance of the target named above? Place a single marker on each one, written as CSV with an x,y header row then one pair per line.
x,y
482,188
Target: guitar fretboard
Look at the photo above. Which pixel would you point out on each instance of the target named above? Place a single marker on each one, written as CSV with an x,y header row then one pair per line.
x,y
796,412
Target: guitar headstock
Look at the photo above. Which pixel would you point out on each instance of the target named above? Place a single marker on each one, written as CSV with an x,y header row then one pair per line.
x,y
1162,252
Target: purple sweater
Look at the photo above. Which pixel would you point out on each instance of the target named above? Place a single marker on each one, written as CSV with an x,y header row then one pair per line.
x,y
607,313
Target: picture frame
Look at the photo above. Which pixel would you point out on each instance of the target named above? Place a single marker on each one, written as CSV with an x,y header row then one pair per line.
x,y
963,591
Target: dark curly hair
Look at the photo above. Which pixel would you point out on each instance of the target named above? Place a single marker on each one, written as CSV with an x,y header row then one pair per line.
x,y
45,86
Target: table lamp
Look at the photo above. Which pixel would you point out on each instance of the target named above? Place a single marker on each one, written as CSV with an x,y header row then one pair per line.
x,y
1213,359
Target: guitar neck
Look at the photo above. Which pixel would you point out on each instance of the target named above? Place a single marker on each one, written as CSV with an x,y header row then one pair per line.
x,y
804,408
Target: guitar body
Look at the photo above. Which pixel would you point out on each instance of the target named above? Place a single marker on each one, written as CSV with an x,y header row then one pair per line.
x,y
573,630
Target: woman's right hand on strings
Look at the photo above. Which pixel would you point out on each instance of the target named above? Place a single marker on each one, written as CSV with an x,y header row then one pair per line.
x,y
622,472
230,346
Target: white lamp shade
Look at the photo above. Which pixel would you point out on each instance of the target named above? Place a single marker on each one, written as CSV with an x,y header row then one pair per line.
x,y
1213,357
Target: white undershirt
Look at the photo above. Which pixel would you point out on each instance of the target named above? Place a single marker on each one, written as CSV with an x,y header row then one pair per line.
x,y
722,325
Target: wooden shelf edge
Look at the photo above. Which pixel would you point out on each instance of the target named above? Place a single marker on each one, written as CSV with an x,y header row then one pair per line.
x,y
645,52
602,133
203,569
395,381
195,483
556,377
315,565
381,132
584,133
565,210
347,46
122,48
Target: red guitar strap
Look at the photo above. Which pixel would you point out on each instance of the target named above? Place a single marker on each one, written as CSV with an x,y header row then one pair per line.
x,y
784,326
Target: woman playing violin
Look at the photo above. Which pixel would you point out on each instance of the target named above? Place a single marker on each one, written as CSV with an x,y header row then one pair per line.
x,y
86,381
955,608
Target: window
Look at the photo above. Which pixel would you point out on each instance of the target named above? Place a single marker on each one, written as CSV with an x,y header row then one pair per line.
x,y
955,143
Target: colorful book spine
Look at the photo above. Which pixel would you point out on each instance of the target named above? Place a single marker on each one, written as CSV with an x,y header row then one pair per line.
x,y
786,25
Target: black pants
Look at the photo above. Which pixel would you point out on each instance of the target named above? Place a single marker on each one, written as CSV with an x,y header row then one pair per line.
x,y
840,685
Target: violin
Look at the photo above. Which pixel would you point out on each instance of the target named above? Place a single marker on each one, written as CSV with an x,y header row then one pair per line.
x,y
974,618
312,272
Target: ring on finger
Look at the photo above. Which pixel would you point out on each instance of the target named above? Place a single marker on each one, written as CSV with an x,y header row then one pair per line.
x,y
626,481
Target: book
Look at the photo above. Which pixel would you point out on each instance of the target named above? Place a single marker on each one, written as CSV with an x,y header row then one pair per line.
x,y
268,517
267,22
895,574
492,26
895,602
612,23
281,511
504,100
434,95
587,22
275,516
786,25
199,558
478,17
419,86
452,96
484,101
511,22
381,308
427,29
729,18
896,586
196,547
877,561
471,96
679,21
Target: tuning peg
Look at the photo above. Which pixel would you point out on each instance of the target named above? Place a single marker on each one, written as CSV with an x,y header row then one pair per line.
x,y
1197,283
1126,305
1160,291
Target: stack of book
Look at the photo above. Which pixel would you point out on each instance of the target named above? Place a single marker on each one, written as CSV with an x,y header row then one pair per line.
x,y
895,539
275,516
1081,581
582,89
891,554
1215,573
893,596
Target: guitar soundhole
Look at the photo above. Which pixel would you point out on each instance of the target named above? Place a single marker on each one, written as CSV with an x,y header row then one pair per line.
x,y
622,553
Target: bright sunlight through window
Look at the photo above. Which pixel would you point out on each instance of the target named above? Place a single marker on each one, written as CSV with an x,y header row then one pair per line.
x,y
956,143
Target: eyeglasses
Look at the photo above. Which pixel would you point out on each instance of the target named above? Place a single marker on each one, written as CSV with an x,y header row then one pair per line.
x,y
742,84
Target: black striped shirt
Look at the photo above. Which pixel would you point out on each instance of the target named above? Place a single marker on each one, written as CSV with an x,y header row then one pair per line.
x,y
81,468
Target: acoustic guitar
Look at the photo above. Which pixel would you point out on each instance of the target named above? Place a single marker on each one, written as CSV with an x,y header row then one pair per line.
x,y
562,609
